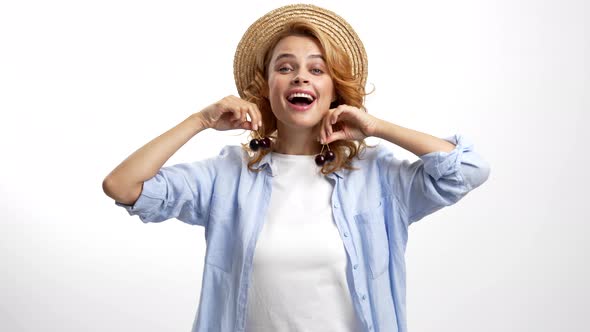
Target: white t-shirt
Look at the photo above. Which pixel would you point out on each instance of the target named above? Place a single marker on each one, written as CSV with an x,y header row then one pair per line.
x,y
299,270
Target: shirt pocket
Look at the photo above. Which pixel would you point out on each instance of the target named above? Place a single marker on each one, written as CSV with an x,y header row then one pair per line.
x,y
371,225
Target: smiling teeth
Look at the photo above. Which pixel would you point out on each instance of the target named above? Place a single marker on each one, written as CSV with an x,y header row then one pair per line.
x,y
300,95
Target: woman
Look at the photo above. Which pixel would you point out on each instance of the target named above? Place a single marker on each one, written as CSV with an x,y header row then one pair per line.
x,y
306,227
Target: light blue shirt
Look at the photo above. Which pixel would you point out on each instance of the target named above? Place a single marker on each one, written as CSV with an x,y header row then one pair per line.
x,y
372,208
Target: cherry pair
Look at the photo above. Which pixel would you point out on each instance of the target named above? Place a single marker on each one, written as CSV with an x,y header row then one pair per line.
x,y
260,142
325,157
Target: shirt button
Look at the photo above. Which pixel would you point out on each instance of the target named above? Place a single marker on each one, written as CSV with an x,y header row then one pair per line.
x,y
335,205
370,327
345,234
363,297
355,266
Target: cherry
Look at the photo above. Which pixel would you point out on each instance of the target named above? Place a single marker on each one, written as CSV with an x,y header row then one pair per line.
x,y
320,159
329,155
265,143
254,144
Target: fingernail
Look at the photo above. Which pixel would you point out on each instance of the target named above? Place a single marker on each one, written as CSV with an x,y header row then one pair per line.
x,y
255,127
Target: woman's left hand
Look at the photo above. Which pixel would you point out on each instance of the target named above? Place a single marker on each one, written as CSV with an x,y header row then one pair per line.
x,y
347,123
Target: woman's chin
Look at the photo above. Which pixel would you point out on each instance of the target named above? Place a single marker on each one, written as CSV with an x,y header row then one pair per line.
x,y
301,123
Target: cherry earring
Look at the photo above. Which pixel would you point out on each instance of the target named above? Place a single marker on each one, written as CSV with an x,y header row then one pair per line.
x,y
260,142
325,157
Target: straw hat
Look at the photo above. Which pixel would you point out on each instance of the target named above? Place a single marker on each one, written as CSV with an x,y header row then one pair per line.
x,y
265,28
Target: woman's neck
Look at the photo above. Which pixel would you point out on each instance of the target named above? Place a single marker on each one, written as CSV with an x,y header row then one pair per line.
x,y
298,141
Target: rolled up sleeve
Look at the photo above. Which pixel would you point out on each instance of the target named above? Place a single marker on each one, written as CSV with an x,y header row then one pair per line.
x,y
437,179
181,191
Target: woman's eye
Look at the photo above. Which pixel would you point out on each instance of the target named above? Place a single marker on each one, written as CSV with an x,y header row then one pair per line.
x,y
284,69
317,71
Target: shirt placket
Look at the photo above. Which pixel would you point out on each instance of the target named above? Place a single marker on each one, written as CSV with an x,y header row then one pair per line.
x,y
247,268
349,245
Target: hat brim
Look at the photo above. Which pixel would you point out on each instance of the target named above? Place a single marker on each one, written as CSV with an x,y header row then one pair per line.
x,y
261,32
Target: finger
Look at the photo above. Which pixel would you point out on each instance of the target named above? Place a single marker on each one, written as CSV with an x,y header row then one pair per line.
x,y
236,112
247,110
323,136
329,129
336,115
332,118
239,108
253,117
244,111
246,125
338,135
235,123
258,115
325,127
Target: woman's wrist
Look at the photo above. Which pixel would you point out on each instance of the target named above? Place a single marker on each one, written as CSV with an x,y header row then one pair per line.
x,y
380,128
197,122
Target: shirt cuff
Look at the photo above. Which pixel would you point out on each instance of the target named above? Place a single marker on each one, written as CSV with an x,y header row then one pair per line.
x,y
147,201
440,164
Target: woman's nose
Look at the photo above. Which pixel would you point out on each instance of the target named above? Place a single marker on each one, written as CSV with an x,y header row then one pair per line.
x,y
300,79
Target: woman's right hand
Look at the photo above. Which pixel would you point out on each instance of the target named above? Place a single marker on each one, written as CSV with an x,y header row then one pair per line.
x,y
230,113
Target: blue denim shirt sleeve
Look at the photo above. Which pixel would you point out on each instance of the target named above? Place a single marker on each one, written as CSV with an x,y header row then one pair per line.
x,y
437,179
181,191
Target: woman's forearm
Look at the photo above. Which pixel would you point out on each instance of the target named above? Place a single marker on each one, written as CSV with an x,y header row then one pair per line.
x,y
414,141
124,183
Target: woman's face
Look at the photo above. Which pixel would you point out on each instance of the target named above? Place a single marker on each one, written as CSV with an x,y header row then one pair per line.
x,y
300,89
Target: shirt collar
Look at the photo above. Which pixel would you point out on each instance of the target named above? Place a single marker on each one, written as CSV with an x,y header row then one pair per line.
x,y
267,164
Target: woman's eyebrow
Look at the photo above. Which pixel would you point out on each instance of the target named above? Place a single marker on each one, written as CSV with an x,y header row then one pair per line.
x,y
289,55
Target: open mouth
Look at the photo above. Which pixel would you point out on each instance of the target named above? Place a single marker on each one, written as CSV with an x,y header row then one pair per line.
x,y
301,99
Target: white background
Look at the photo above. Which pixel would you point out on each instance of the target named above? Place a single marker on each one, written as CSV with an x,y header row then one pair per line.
x,y
85,83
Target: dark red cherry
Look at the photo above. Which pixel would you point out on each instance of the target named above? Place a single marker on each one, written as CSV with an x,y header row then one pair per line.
x,y
329,155
254,144
265,143
320,159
